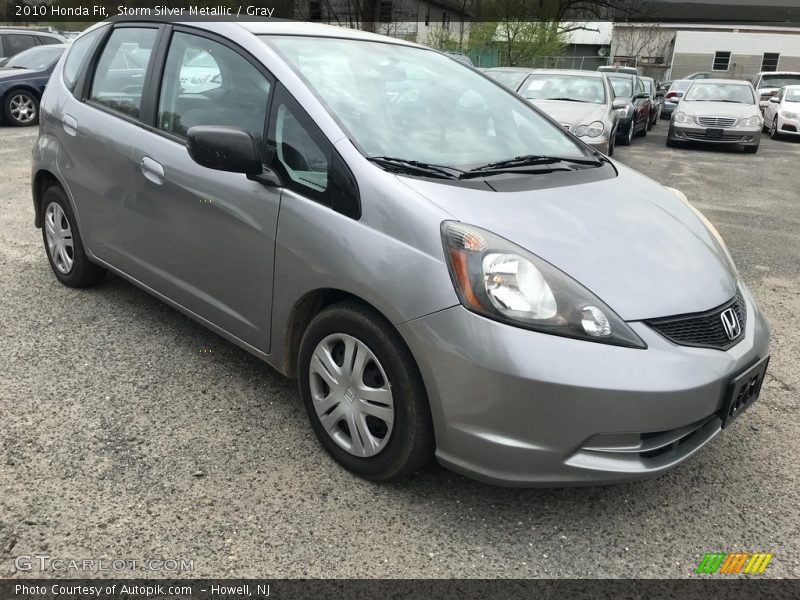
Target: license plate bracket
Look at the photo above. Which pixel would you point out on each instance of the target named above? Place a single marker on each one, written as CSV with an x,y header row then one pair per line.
x,y
714,134
743,390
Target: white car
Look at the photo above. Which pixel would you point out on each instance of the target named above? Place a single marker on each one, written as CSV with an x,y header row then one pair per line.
x,y
782,113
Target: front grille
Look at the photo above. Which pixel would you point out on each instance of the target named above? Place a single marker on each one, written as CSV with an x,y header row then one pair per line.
x,y
703,330
704,138
716,121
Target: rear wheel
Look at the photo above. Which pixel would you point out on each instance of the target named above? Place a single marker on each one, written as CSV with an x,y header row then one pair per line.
x,y
62,242
363,393
21,108
645,127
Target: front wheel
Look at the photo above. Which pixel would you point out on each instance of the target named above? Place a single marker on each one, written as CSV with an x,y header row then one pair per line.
x,y
21,108
363,394
626,141
773,133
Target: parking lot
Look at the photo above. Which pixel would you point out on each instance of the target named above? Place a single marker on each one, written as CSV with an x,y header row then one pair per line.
x,y
130,431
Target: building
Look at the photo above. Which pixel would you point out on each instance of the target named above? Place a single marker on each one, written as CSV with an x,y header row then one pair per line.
x,y
672,50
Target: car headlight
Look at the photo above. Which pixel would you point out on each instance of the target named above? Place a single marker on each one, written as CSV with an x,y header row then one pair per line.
x,y
711,229
754,121
499,280
591,130
788,115
682,117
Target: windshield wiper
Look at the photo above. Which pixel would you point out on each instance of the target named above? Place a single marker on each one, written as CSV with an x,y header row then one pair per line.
x,y
415,167
566,99
532,160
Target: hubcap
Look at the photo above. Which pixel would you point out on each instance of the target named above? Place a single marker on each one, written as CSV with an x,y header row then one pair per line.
x,y
59,238
352,395
23,108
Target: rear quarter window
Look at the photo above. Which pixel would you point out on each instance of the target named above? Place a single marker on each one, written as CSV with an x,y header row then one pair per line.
x,y
77,55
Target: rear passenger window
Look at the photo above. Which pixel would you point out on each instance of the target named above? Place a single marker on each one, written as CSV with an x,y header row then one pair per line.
x,y
120,73
47,41
77,56
16,43
207,83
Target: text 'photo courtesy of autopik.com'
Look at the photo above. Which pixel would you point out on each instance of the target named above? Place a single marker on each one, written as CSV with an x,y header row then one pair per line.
x,y
399,298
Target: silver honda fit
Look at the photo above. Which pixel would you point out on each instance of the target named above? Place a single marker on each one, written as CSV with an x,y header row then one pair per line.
x,y
443,268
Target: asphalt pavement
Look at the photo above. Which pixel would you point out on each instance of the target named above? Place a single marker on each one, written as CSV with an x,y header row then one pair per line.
x,y
128,431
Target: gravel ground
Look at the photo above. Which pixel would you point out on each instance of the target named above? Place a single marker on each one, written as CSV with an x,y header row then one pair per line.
x,y
129,431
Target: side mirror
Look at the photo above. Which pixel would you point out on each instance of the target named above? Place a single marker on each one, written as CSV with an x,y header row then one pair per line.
x,y
775,99
224,149
619,103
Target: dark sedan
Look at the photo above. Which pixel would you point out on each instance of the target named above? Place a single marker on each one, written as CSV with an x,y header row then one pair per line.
x,y
635,117
22,81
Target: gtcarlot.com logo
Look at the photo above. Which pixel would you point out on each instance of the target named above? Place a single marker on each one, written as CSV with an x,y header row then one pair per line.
x,y
733,563
44,562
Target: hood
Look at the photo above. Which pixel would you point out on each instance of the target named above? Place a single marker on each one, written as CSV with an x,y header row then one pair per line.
x,y
629,240
719,109
571,113
11,73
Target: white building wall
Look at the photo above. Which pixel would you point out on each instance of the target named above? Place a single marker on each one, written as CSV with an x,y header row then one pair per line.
x,y
709,42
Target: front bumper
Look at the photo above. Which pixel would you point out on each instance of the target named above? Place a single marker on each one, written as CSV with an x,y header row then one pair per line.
x,y
600,143
691,132
515,407
788,126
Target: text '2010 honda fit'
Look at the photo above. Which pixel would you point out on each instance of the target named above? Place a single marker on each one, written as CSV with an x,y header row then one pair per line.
x,y
445,269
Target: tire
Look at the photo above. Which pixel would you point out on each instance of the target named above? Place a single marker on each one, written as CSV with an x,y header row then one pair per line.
x,y
612,142
62,242
645,129
21,108
650,122
750,149
774,133
626,141
382,450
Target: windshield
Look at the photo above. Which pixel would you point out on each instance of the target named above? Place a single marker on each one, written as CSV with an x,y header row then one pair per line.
x,y
415,104
793,95
720,92
623,86
510,79
36,59
579,88
648,86
778,81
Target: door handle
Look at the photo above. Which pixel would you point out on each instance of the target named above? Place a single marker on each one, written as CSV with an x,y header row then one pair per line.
x,y
70,124
152,170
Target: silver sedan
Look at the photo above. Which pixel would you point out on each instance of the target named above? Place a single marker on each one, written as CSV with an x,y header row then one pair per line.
x,y
718,111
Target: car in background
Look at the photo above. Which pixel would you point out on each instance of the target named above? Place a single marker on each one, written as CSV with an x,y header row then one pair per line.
x,y
718,111
582,101
610,69
657,101
635,106
460,57
767,84
782,115
22,82
662,87
673,96
511,77
15,40
699,75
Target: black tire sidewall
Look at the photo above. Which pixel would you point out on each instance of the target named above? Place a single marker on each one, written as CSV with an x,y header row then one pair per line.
x,y
83,272
7,108
411,443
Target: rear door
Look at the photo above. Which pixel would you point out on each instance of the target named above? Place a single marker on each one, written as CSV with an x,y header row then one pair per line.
x,y
204,238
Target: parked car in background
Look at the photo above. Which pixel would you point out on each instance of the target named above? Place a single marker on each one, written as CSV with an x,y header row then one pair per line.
x,y
582,101
657,102
718,111
782,114
22,81
460,57
444,270
15,40
662,87
673,96
610,69
634,116
767,84
699,75
511,77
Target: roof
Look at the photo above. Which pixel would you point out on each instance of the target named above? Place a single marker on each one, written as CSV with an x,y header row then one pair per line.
x,y
725,81
315,30
594,33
